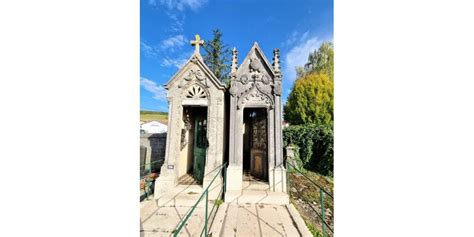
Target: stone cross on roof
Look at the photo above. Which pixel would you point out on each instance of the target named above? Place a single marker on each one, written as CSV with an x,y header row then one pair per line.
x,y
196,43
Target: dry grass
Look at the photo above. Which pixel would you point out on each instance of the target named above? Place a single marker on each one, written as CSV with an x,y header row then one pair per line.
x,y
161,117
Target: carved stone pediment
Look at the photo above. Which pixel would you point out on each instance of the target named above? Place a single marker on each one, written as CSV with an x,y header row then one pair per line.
x,y
254,96
254,81
192,75
194,71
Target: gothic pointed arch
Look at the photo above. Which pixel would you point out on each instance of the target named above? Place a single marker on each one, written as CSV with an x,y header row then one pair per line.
x,y
255,96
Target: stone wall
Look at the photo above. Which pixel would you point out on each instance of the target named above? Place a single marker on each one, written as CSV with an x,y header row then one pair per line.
x,y
155,145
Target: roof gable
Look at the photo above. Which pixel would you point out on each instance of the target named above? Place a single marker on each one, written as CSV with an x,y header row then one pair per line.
x,y
197,60
260,56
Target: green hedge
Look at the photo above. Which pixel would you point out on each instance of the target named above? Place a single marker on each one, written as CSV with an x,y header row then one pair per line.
x,y
315,144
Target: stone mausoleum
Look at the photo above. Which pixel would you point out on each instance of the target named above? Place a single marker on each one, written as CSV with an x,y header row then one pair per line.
x,y
211,124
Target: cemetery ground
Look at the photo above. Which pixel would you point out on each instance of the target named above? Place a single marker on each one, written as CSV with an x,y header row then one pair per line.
x,y
300,218
230,219
305,196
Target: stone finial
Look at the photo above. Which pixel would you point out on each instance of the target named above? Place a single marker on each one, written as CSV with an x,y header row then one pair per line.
x,y
276,62
233,68
196,43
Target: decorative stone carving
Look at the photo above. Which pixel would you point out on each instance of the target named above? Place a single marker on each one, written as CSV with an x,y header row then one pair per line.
x,y
233,89
254,64
277,88
193,85
233,67
254,96
194,60
194,75
276,62
184,131
196,92
265,80
257,84
244,79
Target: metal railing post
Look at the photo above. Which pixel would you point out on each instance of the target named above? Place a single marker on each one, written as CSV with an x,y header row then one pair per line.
x,y
287,179
225,178
205,193
206,219
323,211
322,194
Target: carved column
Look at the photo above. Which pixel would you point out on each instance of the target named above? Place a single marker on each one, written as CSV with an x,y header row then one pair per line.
x,y
279,171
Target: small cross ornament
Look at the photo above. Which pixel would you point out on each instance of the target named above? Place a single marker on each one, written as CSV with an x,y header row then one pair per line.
x,y
196,43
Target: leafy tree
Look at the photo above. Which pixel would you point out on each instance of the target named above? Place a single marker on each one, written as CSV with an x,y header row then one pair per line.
x,y
321,60
300,72
311,100
315,143
310,111
217,56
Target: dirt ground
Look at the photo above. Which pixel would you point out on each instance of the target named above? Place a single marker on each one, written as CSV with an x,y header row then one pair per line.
x,y
306,197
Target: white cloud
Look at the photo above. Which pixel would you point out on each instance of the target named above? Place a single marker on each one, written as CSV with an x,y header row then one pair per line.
x,y
148,50
298,55
177,24
169,45
173,43
159,92
294,37
174,62
179,5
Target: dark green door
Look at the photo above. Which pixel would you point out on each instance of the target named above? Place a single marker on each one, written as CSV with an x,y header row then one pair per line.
x,y
200,145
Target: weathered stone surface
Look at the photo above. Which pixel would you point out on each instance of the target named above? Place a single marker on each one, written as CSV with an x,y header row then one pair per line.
x,y
258,220
228,220
194,85
256,84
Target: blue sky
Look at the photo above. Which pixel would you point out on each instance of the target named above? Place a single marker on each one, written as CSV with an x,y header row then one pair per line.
x,y
296,27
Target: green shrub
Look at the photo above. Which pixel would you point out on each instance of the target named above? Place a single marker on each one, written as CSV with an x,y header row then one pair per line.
x,y
315,144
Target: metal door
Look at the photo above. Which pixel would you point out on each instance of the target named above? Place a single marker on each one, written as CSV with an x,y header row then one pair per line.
x,y
200,146
258,149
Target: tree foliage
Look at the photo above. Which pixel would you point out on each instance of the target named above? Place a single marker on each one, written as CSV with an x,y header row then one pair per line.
x,y
321,60
315,143
311,100
310,111
217,56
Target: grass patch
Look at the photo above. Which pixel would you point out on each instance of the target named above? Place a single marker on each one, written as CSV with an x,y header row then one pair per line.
x,y
306,197
161,117
315,232
218,202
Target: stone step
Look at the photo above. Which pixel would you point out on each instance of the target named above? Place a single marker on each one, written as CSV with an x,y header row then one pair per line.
x,y
252,185
184,196
256,197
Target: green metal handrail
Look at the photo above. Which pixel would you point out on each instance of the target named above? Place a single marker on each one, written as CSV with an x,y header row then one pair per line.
x,y
204,194
322,193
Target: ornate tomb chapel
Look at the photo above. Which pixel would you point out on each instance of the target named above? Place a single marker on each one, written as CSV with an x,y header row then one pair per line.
x,y
210,124
194,145
255,130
